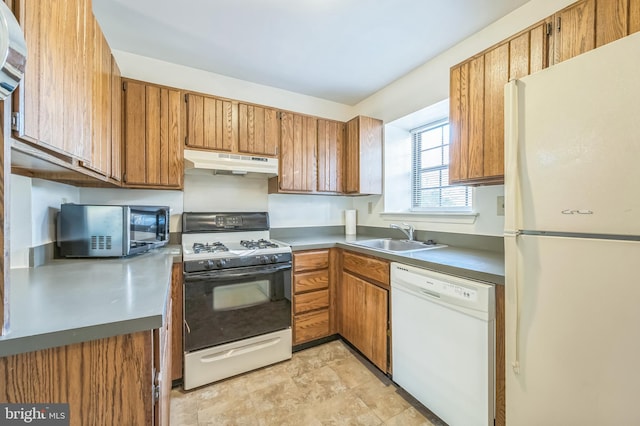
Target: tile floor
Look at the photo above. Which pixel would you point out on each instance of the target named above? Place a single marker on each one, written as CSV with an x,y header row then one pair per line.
x,y
328,384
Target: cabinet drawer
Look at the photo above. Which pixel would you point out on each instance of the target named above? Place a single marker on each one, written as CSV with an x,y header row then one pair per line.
x,y
311,326
368,267
310,260
307,281
311,301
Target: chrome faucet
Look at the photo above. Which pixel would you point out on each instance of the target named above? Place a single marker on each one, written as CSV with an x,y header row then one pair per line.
x,y
408,230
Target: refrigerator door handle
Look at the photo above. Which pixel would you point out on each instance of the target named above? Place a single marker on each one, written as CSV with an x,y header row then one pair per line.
x,y
511,178
512,283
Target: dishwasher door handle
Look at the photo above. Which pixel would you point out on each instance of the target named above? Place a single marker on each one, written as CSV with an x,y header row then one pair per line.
x,y
429,293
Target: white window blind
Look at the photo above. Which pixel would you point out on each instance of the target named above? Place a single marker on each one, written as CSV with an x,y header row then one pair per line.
x,y
430,171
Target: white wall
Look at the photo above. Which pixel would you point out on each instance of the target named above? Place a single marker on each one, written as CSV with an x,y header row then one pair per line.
x,y
307,210
33,206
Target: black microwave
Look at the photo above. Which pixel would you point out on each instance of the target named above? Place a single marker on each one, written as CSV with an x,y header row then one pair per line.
x,y
90,230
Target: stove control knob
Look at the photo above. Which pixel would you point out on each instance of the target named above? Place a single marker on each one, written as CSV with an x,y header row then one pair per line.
x,y
274,258
209,264
264,259
220,263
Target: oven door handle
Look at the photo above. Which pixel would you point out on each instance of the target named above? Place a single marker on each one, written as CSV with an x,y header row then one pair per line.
x,y
234,273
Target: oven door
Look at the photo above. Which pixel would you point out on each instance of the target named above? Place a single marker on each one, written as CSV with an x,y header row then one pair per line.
x,y
234,304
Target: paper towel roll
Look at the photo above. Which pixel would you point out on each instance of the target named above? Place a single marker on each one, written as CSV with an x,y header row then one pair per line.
x,y
350,222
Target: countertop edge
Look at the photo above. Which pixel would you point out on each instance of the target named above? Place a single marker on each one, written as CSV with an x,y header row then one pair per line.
x,y
486,277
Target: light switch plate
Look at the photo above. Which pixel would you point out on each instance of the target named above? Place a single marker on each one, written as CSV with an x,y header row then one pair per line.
x,y
500,206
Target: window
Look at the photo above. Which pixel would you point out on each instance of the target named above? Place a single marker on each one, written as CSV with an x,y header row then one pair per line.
x,y
430,171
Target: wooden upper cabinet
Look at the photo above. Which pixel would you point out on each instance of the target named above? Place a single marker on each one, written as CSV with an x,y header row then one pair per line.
x,y
634,16
259,130
331,136
152,136
116,121
574,30
101,129
212,123
298,141
363,156
53,101
476,105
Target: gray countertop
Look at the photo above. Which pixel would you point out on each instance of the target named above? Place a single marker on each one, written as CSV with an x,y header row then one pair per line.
x,y
71,301
482,265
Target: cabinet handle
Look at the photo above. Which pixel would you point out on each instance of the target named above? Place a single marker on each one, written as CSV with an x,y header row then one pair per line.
x,y
549,29
559,23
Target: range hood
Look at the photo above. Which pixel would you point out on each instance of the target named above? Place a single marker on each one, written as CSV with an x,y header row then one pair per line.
x,y
229,164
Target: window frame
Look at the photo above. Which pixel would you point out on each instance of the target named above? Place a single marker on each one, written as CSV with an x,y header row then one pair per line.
x,y
416,150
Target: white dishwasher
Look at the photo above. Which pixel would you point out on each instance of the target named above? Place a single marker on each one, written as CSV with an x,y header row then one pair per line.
x,y
443,343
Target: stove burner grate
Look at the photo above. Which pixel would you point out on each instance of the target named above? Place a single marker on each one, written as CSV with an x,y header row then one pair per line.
x,y
215,247
260,244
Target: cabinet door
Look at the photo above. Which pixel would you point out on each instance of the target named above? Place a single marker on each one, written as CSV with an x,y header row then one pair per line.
x,y
574,30
153,139
298,152
458,122
54,98
634,16
211,123
330,149
496,76
259,130
363,156
101,106
375,325
528,52
116,121
475,143
611,21
352,310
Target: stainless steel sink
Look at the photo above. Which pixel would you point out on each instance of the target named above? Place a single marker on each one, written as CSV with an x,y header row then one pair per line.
x,y
396,246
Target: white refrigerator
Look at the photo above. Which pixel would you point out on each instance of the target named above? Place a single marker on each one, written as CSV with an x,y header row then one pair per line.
x,y
572,241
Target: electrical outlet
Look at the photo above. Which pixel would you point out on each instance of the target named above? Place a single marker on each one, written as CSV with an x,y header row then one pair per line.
x,y
370,207
500,206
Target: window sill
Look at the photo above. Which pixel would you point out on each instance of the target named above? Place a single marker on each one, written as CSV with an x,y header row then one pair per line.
x,y
464,218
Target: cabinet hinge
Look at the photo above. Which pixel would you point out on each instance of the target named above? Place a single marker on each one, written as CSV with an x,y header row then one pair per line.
x,y
186,98
186,140
124,177
156,393
15,121
559,23
124,86
549,29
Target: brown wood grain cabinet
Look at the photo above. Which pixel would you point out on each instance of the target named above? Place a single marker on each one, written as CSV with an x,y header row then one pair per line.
x,y
53,103
153,138
298,144
259,130
634,16
312,290
364,306
105,382
363,156
476,105
101,127
116,121
177,351
573,30
331,135
212,123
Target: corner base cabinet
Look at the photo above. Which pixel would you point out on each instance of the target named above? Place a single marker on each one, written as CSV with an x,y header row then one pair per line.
x,y
122,379
364,306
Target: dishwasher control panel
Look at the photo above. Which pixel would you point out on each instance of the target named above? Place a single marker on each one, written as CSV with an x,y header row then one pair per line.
x,y
445,289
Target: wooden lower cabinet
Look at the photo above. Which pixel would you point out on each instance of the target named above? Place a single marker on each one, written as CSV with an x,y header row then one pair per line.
x,y
177,351
364,306
105,382
311,296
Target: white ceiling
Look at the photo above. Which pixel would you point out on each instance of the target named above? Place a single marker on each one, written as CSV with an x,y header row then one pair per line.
x,y
340,50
